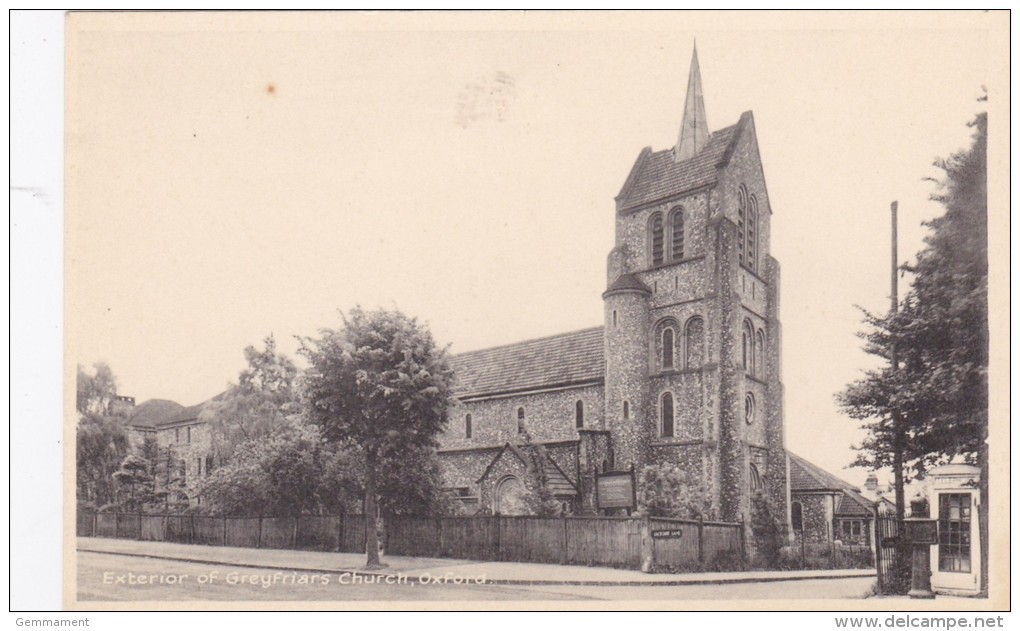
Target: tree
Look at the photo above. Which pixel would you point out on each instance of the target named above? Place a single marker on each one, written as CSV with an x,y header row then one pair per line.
x,y
278,476
940,334
381,383
135,475
95,391
260,405
101,442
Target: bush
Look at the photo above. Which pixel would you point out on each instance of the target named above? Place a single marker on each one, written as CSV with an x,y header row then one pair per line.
x,y
665,490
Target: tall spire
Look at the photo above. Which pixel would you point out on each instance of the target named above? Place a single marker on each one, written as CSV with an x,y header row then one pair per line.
x,y
694,129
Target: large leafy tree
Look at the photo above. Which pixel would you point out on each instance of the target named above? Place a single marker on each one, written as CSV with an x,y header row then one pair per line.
x,y
260,405
379,382
283,475
101,442
933,406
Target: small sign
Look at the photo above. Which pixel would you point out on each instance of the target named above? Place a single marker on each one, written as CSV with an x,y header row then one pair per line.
x,y
674,533
922,531
890,542
615,490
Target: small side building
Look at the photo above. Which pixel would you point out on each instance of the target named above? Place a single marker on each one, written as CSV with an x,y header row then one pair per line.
x,y
825,509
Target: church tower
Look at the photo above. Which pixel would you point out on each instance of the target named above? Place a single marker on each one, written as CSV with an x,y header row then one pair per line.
x,y
692,334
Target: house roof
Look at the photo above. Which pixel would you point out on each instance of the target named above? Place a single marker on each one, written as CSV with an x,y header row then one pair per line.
x,y
853,503
805,476
559,360
161,413
153,413
557,481
657,175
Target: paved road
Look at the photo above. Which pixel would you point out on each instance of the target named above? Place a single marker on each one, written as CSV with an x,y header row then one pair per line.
x,y
110,577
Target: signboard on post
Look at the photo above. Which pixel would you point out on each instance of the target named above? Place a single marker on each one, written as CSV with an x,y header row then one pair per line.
x,y
615,489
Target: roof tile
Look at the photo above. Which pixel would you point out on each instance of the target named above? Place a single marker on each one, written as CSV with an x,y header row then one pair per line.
x,y
659,176
559,360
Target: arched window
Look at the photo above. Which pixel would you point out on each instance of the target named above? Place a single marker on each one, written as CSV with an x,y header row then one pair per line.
x,y
759,353
676,231
664,344
668,345
741,222
797,516
694,333
749,408
752,232
656,239
666,415
467,426
626,410
520,420
756,482
747,348
579,414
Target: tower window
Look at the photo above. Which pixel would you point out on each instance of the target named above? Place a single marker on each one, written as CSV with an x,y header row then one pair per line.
x,y
626,410
749,408
667,349
741,222
467,426
579,414
694,333
759,353
756,482
657,239
520,420
747,348
614,317
666,413
676,227
752,225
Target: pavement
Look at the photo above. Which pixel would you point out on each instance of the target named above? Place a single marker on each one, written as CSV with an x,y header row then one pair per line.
x,y
432,570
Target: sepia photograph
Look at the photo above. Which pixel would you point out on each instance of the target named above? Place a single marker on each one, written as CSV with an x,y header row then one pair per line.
x,y
556,310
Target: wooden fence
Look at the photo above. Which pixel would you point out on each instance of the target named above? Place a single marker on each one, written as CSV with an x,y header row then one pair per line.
x,y
626,542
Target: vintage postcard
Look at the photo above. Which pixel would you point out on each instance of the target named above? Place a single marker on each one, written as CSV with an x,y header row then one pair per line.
x,y
515,310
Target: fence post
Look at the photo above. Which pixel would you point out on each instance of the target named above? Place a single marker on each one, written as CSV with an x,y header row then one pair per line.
x,y
258,541
499,543
647,547
701,540
442,542
95,523
564,557
743,542
293,538
340,532
224,530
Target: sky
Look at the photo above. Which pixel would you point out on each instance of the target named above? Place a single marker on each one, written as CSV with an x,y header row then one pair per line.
x,y
234,176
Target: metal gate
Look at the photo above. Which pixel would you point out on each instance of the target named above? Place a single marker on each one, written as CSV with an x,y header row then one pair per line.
x,y
892,557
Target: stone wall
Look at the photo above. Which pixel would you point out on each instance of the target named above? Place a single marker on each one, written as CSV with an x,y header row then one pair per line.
x,y
817,516
548,417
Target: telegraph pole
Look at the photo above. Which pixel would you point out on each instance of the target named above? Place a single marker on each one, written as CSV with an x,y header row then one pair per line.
x,y
897,420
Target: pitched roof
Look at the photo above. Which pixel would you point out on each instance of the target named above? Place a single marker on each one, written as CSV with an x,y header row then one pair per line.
x,y
557,481
657,175
853,503
805,476
160,412
558,360
153,412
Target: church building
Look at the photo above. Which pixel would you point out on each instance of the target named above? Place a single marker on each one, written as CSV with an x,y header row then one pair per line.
x,y
685,369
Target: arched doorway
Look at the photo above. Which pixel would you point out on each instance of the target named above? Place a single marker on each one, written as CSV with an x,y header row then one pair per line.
x,y
510,497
